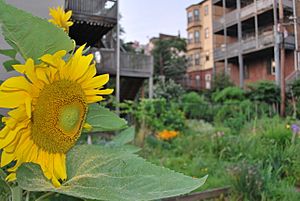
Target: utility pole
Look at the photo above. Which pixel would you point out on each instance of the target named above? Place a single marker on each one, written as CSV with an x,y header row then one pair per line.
x,y
118,60
282,61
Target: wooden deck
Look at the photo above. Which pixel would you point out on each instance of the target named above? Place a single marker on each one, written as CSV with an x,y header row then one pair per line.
x,y
131,65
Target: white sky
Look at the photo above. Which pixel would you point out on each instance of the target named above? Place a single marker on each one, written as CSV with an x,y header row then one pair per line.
x,y
144,19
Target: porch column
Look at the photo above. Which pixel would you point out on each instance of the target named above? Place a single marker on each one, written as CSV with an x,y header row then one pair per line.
x,y
241,62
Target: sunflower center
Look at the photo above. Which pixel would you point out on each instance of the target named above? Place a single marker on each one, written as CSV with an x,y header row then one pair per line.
x,y
58,116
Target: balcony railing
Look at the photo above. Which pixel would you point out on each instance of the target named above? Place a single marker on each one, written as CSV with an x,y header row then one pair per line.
x,y
99,8
131,65
246,12
250,44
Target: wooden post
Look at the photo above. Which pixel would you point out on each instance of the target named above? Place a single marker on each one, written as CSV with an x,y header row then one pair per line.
x,y
277,43
256,24
225,37
241,62
282,61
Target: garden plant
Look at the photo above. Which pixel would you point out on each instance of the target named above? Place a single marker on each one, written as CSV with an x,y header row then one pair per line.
x,y
52,105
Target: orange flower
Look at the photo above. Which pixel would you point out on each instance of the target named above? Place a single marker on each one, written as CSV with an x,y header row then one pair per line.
x,y
167,135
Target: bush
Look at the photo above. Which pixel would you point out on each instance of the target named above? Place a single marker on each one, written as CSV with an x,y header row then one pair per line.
x,y
264,91
167,89
196,107
158,114
229,94
221,81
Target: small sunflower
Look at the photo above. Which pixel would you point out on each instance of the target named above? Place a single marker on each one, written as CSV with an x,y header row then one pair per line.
x,y
49,106
61,18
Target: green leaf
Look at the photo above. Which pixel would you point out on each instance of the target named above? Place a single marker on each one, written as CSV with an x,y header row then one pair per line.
x,y
9,53
8,64
31,36
4,187
110,174
101,119
125,137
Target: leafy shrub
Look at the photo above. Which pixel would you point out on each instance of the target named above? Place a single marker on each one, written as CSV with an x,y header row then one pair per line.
x,y
196,107
158,114
221,81
167,89
229,94
264,91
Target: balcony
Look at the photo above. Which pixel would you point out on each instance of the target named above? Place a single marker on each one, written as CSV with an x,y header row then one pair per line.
x,y
193,46
92,19
250,44
232,17
93,11
194,23
131,65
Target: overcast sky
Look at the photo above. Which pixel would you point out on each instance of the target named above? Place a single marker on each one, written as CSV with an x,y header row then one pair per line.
x,y
144,19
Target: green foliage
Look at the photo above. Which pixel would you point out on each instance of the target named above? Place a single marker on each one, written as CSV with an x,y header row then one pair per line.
x,y
29,35
157,114
101,119
196,107
248,181
111,175
167,89
221,81
167,60
229,94
4,187
295,88
264,91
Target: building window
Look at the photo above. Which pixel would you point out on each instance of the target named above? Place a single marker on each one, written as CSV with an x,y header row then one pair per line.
x,y
206,10
197,36
190,38
197,81
207,81
196,15
197,59
206,33
190,60
207,56
271,67
190,17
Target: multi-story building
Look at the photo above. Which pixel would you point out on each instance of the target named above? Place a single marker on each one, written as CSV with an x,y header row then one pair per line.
x,y
200,45
246,39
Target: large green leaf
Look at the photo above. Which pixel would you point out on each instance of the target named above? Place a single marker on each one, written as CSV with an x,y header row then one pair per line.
x,y
31,36
125,137
101,119
100,173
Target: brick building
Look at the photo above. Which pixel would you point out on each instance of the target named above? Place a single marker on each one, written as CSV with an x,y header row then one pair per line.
x,y
238,37
200,45
244,35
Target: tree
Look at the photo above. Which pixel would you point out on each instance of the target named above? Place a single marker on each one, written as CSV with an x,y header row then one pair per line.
x,y
168,58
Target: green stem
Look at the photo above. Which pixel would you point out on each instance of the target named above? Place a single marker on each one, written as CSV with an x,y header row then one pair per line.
x,y
46,195
16,193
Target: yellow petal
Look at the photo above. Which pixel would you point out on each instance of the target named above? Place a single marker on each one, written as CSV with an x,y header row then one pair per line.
x,y
11,177
12,99
6,158
94,99
96,82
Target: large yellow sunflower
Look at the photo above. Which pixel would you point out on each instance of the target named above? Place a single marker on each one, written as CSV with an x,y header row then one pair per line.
x,y
49,106
61,18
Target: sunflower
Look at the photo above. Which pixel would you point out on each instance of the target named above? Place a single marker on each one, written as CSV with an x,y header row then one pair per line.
x,y
61,18
49,106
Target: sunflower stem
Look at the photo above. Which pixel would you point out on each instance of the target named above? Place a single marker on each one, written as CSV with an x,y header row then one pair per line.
x,y
17,193
43,197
